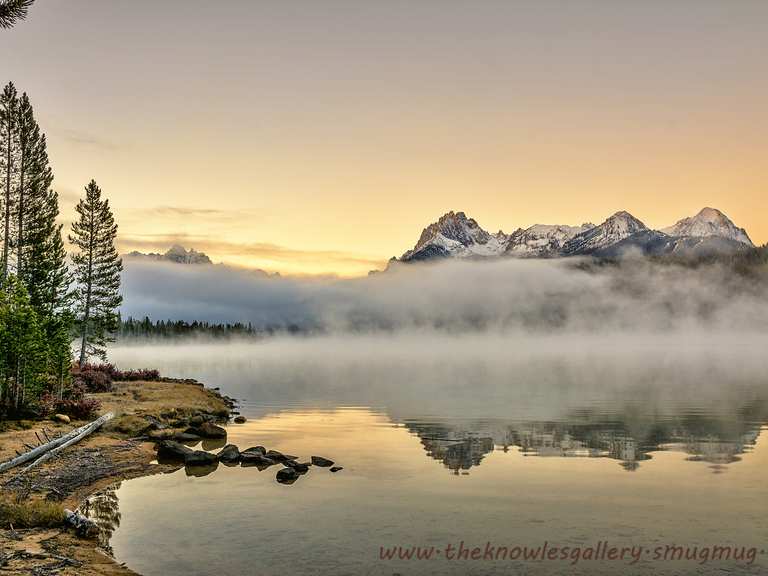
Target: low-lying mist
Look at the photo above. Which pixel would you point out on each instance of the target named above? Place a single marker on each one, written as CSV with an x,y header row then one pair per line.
x,y
530,296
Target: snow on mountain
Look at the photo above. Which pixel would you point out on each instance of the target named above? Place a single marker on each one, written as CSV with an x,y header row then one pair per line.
x,y
709,222
542,240
175,253
455,235
615,229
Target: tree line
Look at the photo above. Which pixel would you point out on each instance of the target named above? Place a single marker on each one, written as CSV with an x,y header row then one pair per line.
x,y
131,328
48,298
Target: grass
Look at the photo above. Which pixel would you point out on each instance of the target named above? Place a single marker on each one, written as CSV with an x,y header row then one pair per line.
x,y
29,513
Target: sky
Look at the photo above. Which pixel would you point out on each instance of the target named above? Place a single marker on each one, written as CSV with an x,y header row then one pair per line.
x,y
308,137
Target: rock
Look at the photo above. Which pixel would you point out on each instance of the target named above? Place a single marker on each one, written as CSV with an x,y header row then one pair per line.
x,y
200,471
63,418
211,444
186,437
336,468
200,458
229,453
208,430
240,420
287,475
172,451
301,467
196,420
322,462
279,456
255,449
255,459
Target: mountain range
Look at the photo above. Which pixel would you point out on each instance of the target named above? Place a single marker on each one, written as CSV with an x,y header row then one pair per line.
x,y
176,254
455,235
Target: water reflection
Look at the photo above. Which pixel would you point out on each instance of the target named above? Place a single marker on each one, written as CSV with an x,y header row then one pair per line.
x,y
463,445
103,509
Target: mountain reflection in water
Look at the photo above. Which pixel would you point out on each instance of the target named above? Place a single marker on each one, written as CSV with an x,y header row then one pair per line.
x,y
445,443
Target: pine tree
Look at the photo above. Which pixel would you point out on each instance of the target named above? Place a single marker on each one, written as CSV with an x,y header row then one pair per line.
x,y
22,347
97,268
9,150
13,10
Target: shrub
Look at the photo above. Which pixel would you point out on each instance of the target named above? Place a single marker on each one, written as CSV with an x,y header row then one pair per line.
x,y
26,513
94,377
73,406
147,374
82,409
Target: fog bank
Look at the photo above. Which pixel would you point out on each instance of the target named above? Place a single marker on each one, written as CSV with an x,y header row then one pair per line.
x,y
458,296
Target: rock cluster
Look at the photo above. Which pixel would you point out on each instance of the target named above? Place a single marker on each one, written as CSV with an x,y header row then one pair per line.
x,y
201,463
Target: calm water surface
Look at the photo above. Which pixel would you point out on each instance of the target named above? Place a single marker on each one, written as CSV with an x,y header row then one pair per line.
x,y
574,442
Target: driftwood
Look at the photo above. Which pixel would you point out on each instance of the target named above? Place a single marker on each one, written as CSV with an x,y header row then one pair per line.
x,y
44,451
84,526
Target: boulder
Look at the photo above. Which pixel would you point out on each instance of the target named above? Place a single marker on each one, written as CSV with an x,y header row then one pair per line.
x,y
255,450
336,468
255,459
279,456
240,420
200,458
172,451
200,471
62,418
229,453
301,467
186,437
208,430
322,462
196,420
287,475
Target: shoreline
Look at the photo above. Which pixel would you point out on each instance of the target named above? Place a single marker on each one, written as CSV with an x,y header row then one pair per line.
x,y
124,449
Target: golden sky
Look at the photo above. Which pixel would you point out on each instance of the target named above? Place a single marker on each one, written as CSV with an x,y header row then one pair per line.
x,y
321,137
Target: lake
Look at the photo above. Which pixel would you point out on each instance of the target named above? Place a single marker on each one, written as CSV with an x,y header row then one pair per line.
x,y
483,454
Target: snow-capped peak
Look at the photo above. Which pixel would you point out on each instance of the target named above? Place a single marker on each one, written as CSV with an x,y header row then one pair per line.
x,y
616,228
455,234
542,240
709,222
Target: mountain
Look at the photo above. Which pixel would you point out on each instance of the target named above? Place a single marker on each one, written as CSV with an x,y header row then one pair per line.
x,y
455,235
709,222
616,228
542,240
176,254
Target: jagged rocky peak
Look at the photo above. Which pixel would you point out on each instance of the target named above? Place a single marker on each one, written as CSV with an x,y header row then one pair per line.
x,y
709,222
455,235
454,226
177,254
616,228
542,240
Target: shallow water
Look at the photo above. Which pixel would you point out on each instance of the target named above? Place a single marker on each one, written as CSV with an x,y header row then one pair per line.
x,y
575,442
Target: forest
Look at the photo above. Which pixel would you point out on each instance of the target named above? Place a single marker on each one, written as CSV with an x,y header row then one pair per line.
x,y
49,299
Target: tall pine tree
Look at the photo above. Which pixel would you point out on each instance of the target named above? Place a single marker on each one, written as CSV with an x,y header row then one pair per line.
x,y
97,268
13,10
9,151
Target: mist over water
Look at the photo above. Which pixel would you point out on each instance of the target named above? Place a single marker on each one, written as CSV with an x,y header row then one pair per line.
x,y
512,402
459,296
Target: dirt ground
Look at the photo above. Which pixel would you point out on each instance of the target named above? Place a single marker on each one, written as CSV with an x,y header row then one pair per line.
x,y
118,452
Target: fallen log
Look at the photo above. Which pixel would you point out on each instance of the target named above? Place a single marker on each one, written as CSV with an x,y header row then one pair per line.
x,y
78,433
84,526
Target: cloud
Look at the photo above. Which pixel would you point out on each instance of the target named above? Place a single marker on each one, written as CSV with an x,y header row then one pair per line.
x,y
522,296
80,138
257,251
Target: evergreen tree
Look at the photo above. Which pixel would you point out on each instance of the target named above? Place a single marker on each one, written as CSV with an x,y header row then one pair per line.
x,y
13,10
9,150
97,268
22,347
